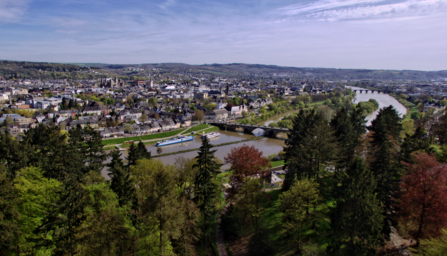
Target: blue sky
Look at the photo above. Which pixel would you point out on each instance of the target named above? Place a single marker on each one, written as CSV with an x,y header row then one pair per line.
x,y
378,34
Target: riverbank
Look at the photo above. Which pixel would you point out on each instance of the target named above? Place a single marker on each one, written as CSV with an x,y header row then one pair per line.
x,y
218,145
198,129
160,135
408,105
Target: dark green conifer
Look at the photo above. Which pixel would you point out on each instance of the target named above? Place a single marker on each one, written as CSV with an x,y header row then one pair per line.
x,y
9,216
204,185
357,218
137,152
121,181
88,143
348,128
385,132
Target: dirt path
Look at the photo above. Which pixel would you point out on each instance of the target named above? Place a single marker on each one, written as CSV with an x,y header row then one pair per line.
x,y
219,235
400,243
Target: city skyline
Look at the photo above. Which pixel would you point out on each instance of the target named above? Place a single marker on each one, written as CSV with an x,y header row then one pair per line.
x,y
372,34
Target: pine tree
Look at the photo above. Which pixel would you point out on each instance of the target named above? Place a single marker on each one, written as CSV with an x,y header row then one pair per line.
x,y
321,148
122,182
419,141
71,104
204,186
385,133
88,143
348,128
64,217
14,155
51,152
357,218
293,150
64,104
137,152
9,216
311,145
142,150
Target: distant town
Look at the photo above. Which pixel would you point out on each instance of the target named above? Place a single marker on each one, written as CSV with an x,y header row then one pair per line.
x,y
140,101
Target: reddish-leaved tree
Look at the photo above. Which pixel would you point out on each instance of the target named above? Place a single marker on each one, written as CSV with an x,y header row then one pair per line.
x,y
245,161
424,195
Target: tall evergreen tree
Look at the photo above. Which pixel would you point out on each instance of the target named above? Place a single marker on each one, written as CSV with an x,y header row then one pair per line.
x,y
293,149
9,216
51,150
322,148
71,104
348,128
13,155
64,217
89,144
419,141
122,182
357,218
204,186
137,152
311,145
385,133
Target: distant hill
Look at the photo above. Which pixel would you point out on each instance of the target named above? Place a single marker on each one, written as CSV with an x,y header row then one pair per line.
x,y
17,69
236,69
45,70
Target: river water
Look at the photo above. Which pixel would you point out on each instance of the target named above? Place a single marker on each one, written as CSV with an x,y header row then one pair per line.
x,y
384,100
268,146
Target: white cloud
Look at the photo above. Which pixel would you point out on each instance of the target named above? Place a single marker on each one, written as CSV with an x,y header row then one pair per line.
x,y
12,10
335,10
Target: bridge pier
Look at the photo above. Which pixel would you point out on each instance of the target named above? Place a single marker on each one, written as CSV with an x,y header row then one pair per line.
x,y
231,128
248,130
271,133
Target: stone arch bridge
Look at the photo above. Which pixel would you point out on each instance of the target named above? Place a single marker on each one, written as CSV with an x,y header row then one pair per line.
x,y
366,91
268,131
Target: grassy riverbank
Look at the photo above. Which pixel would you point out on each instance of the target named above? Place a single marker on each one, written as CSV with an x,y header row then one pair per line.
x,y
196,128
408,105
143,137
212,129
218,145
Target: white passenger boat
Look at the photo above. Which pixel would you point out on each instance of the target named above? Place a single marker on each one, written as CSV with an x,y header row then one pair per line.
x,y
174,140
211,135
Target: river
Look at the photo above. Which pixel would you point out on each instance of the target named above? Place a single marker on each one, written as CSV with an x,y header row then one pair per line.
x,y
268,146
384,100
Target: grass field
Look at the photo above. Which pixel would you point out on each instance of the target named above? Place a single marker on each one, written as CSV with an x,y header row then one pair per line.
x,y
197,128
212,129
161,135
144,137
120,140
277,163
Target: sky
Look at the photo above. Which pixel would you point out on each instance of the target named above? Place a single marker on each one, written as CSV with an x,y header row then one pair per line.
x,y
372,34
